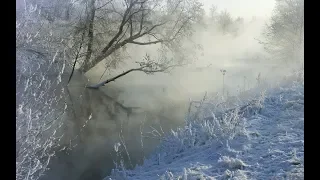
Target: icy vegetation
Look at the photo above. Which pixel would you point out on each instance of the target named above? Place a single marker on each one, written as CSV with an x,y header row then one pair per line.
x,y
260,137
159,89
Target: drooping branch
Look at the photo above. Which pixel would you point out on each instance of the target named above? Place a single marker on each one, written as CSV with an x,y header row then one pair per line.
x,y
148,67
146,43
113,79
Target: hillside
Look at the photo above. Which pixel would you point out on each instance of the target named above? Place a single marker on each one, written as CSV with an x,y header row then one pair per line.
x,y
260,138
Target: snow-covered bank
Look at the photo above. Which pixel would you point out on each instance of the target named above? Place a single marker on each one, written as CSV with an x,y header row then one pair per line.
x,y
262,138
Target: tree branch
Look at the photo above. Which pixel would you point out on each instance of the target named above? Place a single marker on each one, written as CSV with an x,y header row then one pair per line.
x,y
103,5
145,67
113,79
77,56
124,20
146,43
105,54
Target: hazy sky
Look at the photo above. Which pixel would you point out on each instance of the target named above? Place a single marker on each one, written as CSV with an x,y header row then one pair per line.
x,y
243,8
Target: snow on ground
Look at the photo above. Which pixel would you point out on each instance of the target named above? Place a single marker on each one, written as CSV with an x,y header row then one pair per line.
x,y
261,139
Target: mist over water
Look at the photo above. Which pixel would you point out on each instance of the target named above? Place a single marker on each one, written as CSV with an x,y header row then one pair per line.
x,y
160,101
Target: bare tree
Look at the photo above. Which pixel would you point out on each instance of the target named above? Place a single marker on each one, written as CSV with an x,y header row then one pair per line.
x,y
225,21
50,43
213,13
112,25
284,35
239,20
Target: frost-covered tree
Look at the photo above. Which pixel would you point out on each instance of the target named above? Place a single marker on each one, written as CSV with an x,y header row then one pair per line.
x,y
213,13
111,26
52,37
101,30
284,34
225,21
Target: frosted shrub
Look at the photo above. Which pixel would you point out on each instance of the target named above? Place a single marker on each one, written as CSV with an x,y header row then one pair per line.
x,y
211,125
236,175
232,163
40,99
40,108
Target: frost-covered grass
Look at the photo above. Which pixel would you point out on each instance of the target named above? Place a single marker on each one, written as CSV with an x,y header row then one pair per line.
x,y
258,137
40,99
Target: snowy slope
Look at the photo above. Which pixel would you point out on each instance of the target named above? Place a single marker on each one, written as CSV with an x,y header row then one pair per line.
x,y
262,139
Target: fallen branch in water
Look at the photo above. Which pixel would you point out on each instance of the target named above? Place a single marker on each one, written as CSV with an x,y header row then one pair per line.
x,y
148,67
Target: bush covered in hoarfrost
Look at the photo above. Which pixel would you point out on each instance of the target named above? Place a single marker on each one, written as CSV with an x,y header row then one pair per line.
x,y
41,96
211,126
205,129
200,132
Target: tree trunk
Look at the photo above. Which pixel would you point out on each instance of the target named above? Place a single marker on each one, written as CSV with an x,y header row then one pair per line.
x,y
90,21
88,65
